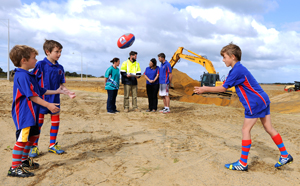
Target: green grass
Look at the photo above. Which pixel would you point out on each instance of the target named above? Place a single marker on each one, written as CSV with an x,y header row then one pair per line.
x,y
144,170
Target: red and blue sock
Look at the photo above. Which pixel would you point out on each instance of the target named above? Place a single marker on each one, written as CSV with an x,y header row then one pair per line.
x,y
41,122
278,141
26,150
54,129
17,154
246,145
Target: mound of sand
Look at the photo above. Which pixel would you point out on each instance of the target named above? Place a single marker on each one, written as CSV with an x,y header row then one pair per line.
x,y
183,87
286,103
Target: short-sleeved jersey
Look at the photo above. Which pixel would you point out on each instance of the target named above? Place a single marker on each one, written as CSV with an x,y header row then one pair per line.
x,y
151,74
113,78
165,70
25,112
50,76
250,93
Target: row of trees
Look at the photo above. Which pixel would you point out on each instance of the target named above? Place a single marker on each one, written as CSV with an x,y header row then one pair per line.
x,y
74,74
67,73
2,74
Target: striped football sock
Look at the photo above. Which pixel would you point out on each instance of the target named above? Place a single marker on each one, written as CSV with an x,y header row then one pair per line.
x,y
246,145
17,154
26,150
41,122
278,141
54,129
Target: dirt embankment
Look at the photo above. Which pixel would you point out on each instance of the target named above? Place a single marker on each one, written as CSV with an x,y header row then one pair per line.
x,y
183,87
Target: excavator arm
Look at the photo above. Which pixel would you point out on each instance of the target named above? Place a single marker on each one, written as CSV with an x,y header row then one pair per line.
x,y
208,79
207,64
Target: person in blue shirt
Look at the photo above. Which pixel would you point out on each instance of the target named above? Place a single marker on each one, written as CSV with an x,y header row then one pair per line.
x,y
165,79
255,101
112,79
51,75
151,74
25,108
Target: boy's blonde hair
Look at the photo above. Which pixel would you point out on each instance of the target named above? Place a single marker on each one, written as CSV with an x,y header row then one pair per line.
x,y
232,49
18,52
50,45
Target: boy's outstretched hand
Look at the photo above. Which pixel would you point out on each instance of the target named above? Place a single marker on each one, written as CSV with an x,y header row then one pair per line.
x,y
63,90
53,107
199,90
71,94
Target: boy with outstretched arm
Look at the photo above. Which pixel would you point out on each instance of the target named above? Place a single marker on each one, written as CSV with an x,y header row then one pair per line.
x,y
25,108
51,75
255,101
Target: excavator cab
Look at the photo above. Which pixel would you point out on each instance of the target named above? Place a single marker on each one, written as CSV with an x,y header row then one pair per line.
x,y
209,80
297,85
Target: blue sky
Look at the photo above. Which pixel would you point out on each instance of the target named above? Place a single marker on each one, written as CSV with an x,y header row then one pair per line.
x,y
286,12
267,31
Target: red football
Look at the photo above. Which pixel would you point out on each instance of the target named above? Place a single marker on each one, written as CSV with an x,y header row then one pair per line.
x,y
126,40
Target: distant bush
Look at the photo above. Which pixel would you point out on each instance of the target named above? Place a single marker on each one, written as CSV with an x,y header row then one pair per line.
x,y
2,74
74,74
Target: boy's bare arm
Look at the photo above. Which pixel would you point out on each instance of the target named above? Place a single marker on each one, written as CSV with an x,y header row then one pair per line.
x,y
58,91
200,90
51,106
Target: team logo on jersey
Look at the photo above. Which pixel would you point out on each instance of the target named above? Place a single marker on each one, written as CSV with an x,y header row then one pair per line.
x,y
60,72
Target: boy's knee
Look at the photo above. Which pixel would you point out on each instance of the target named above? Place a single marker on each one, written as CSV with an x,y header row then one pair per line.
x,y
269,129
245,130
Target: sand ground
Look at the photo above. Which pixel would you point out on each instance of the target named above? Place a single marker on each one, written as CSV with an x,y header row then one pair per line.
x,y
186,147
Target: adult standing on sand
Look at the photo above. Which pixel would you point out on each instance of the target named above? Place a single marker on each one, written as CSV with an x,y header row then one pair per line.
x,y
112,78
151,74
164,82
130,71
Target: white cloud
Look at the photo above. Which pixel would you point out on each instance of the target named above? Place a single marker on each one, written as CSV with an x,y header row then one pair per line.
x,y
211,15
78,6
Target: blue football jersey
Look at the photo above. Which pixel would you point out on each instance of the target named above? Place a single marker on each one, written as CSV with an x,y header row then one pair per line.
x,y
250,93
25,112
50,76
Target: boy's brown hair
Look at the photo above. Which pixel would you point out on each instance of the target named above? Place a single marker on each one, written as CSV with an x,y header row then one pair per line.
x,y
50,45
18,52
232,49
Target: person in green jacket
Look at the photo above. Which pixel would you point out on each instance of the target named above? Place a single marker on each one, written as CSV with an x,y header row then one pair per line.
x,y
112,78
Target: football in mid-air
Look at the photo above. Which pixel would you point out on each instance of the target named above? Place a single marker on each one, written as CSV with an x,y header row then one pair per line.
x,y
126,40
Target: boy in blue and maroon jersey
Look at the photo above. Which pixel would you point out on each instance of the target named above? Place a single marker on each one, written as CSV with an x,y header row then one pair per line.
x,y
51,75
255,101
25,108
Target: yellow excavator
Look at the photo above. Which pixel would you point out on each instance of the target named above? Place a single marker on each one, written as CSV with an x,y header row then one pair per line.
x,y
211,78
